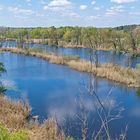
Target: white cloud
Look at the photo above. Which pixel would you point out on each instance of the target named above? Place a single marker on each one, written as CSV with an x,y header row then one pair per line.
x,y
135,13
93,17
132,7
123,1
96,8
21,17
1,7
39,15
63,7
93,2
17,10
72,14
114,10
42,2
57,5
83,7
28,0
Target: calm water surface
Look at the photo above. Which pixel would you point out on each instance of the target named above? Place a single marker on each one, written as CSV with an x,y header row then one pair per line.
x,y
104,56
55,91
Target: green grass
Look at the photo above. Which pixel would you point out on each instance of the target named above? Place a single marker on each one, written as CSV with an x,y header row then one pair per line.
x,y
6,135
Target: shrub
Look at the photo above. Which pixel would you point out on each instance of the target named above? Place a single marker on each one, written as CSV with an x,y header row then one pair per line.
x,y
6,135
20,135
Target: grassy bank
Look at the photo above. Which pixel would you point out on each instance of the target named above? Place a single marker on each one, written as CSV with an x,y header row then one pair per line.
x,y
60,44
15,126
82,46
118,74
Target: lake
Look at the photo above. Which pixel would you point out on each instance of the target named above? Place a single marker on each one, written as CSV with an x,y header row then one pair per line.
x,y
84,53
58,91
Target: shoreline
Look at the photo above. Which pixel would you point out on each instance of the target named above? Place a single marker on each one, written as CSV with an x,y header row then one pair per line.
x,y
72,46
39,41
111,72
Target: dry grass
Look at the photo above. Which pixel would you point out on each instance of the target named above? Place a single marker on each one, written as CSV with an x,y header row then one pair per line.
x,y
82,46
118,74
47,131
13,115
115,73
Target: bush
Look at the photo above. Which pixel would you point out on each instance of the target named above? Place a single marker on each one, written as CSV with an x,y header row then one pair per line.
x,y
20,135
6,135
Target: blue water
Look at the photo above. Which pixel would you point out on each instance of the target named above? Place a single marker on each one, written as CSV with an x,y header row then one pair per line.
x,y
58,91
84,53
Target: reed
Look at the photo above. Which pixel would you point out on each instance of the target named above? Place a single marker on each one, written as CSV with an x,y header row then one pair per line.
x,y
13,114
47,131
13,119
112,72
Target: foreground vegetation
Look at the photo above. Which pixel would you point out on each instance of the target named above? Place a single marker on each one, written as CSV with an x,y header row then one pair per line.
x,y
6,135
16,123
122,39
16,126
112,72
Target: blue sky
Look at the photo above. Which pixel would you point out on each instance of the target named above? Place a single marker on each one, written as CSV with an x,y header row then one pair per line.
x,y
98,13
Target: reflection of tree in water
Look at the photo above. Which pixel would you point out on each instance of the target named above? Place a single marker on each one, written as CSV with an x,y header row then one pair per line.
x,y
6,43
94,113
113,57
1,45
138,92
55,49
129,60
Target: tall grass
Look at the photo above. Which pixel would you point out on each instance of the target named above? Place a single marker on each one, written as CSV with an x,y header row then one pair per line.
x,y
47,131
112,72
13,113
14,124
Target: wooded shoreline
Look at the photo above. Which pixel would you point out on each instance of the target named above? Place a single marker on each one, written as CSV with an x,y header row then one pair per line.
x,y
121,39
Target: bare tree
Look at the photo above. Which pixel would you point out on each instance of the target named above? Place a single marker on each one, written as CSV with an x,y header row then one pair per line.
x,y
103,109
134,35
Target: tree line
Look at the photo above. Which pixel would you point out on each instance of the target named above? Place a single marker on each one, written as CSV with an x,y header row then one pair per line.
x,y
122,39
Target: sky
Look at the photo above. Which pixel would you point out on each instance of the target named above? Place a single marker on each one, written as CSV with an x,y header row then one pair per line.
x,y
46,13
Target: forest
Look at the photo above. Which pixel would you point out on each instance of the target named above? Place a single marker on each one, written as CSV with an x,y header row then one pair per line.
x,y
122,39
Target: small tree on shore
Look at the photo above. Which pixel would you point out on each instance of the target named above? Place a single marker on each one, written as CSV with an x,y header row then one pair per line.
x,y
2,70
134,36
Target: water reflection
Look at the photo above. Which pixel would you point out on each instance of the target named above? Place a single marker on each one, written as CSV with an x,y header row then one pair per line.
x,y
8,84
125,60
138,92
55,90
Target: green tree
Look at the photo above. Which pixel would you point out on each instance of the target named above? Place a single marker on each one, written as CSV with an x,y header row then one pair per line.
x,y
134,38
92,38
53,34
